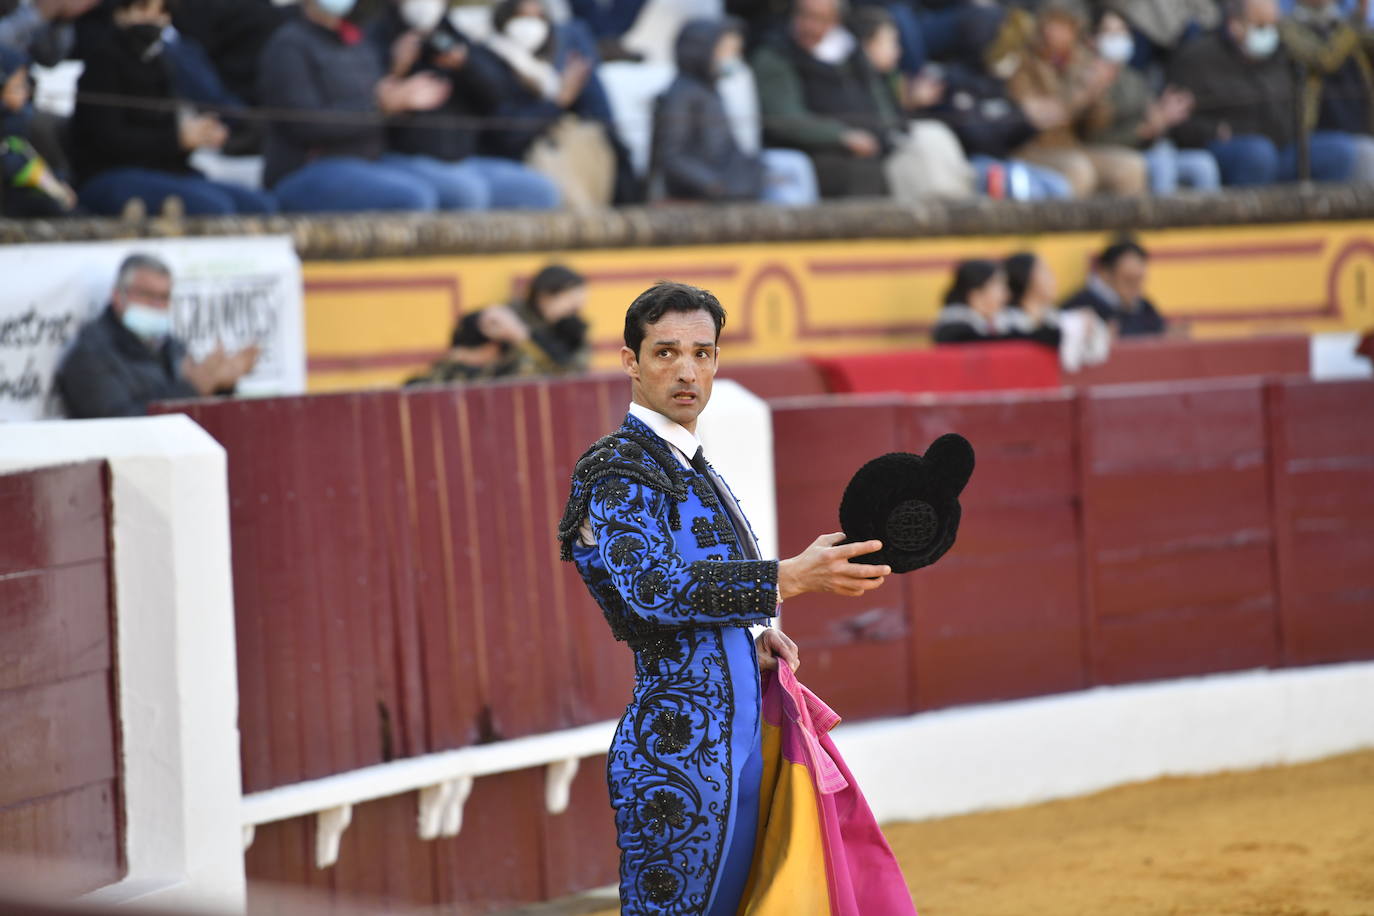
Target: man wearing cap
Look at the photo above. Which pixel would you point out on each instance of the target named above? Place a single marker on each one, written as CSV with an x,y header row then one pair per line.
x,y
667,553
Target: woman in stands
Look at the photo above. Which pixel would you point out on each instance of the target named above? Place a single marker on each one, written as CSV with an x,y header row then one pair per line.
x,y
976,306
1032,291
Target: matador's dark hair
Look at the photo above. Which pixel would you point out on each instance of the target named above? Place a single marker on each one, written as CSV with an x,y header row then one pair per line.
x,y
665,297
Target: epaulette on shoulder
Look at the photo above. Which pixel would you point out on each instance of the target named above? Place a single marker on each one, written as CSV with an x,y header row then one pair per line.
x,y
627,454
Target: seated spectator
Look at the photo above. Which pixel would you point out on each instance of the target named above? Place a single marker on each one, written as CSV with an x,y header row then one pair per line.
x,y
1160,27
415,36
1116,291
41,29
232,34
1136,117
637,30
551,311
557,117
926,159
1339,93
817,94
975,309
127,358
28,187
1056,68
320,63
541,334
128,143
1246,112
695,155
609,21
1032,291
954,32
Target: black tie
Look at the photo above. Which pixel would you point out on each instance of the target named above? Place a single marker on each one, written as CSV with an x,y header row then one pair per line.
x,y
748,546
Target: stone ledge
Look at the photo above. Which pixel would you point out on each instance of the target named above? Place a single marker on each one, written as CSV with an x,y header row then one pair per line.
x,y
359,236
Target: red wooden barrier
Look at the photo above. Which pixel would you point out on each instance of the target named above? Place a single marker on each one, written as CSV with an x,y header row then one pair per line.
x,y
1001,616
1323,470
59,782
1168,359
970,367
1177,530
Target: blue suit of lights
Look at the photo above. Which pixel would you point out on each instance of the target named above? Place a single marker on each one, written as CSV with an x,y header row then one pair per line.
x,y
672,580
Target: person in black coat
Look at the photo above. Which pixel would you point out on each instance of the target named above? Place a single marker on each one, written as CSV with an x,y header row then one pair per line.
x,y
1115,291
975,309
127,138
127,358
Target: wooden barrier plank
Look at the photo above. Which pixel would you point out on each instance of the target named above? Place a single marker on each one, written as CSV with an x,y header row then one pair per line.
x,y
71,839
383,864
1164,359
1001,615
57,737
54,624
1323,490
1178,530
52,518
854,649
579,846
489,865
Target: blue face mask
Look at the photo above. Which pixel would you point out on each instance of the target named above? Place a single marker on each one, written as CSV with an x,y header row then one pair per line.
x,y
1262,40
147,322
338,8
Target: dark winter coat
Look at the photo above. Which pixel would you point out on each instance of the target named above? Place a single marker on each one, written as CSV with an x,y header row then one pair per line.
x,y
111,372
695,156
1249,96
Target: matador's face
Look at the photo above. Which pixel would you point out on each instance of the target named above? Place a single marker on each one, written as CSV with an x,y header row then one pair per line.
x,y
675,367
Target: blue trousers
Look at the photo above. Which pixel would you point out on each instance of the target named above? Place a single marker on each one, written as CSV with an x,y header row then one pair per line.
x,y
420,183
790,178
1171,168
108,192
1250,159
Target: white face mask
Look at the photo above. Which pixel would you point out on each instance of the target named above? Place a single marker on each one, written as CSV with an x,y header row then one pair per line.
x,y
528,32
149,323
1116,48
729,67
338,8
423,15
835,47
1262,40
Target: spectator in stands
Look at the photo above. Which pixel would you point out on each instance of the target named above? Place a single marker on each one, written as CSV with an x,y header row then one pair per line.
x,y
557,112
1116,291
1339,92
216,58
127,358
609,21
551,311
415,36
128,142
926,159
1136,117
41,29
1032,293
1057,68
695,155
954,32
1160,27
28,187
318,64
816,94
975,309
1247,103
484,346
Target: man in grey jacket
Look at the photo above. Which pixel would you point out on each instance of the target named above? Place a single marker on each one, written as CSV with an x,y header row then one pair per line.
x,y
127,358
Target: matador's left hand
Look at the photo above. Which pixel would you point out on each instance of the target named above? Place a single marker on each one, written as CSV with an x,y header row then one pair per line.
x,y
772,645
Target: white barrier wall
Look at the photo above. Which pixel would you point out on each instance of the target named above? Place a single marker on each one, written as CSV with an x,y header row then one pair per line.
x,y
1002,755
174,618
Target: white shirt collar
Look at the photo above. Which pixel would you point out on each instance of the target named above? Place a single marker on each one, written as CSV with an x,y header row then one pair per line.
x,y
675,434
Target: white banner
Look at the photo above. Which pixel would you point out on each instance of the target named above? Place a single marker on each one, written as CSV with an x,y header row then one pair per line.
x,y
230,292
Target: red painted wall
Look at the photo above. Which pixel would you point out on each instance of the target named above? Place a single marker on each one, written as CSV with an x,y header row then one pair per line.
x,y
59,775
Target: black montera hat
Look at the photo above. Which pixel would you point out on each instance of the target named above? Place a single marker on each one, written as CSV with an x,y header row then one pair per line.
x,y
909,502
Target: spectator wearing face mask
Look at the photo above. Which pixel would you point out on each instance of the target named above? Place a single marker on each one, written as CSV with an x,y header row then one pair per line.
x,y
695,155
1057,69
816,94
555,113
129,141
1247,103
1136,117
1161,27
416,36
1339,90
128,357
28,187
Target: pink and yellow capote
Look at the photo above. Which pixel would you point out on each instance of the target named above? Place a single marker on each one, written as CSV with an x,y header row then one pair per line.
x,y
819,851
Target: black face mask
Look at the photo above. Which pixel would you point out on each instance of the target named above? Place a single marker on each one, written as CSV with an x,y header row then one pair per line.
x,y
141,37
571,329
